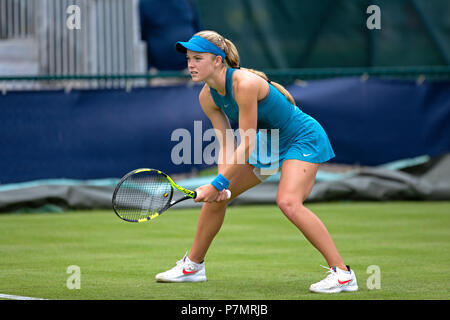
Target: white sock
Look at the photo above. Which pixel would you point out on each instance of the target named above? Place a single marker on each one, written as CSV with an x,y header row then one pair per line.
x,y
194,263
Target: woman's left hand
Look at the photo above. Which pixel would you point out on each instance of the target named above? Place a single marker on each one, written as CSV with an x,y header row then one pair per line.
x,y
206,193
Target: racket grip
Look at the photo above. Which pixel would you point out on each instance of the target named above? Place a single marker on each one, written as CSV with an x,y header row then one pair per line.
x,y
227,191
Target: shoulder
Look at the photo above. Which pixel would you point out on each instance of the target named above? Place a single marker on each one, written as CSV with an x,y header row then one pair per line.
x,y
206,100
247,84
205,95
244,79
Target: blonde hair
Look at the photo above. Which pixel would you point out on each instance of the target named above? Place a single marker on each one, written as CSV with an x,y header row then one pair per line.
x,y
232,58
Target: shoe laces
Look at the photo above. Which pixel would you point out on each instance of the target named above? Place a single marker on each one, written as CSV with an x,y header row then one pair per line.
x,y
331,274
185,264
183,260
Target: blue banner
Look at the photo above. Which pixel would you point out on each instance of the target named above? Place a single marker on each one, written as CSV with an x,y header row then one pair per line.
x,y
378,121
91,134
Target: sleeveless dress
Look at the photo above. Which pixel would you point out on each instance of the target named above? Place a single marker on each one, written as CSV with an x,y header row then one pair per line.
x,y
284,131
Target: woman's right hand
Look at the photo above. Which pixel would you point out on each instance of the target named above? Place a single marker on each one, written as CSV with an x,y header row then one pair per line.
x,y
206,193
222,196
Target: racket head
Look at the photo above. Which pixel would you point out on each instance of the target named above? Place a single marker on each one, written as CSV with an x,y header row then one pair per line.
x,y
142,195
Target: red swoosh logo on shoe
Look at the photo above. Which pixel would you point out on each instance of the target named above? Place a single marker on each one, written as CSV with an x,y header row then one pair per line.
x,y
340,282
189,272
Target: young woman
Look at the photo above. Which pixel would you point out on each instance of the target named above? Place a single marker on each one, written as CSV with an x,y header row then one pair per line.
x,y
249,98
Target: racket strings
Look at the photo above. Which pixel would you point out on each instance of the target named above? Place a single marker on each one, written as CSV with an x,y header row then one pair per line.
x,y
142,195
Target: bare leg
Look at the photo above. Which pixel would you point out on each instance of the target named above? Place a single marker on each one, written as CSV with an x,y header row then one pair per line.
x,y
297,180
212,214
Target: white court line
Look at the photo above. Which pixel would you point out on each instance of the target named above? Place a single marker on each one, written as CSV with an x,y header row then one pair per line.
x,y
13,297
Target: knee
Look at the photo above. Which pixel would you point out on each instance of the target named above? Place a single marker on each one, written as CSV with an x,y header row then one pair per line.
x,y
289,204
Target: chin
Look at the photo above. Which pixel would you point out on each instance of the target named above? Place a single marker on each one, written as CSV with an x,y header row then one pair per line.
x,y
196,79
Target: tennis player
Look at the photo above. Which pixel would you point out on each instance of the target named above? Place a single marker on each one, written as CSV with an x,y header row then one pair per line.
x,y
247,97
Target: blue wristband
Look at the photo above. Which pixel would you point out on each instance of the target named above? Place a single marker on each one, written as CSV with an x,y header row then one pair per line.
x,y
220,182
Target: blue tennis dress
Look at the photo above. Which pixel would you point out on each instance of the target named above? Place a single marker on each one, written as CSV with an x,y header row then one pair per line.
x,y
284,131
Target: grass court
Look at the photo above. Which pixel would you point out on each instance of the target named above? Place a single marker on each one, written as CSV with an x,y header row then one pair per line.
x,y
258,254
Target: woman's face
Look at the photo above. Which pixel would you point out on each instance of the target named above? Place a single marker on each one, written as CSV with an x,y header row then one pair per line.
x,y
201,65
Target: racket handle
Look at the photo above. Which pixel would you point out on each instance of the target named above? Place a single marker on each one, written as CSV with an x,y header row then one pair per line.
x,y
227,191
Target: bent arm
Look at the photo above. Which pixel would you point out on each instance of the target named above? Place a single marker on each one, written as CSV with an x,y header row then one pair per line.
x,y
232,158
246,94
222,129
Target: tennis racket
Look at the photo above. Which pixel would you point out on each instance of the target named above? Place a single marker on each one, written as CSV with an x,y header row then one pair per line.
x,y
144,194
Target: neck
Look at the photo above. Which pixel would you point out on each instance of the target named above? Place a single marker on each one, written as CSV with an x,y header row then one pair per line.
x,y
217,81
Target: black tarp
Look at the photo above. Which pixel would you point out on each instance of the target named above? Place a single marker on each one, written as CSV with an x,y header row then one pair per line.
x,y
426,181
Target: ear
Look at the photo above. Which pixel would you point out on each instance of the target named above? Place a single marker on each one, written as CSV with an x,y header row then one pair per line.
x,y
218,61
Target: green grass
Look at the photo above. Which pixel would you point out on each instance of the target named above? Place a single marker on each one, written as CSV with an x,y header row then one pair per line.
x,y
258,254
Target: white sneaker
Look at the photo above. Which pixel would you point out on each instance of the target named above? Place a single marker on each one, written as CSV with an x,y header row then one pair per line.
x,y
184,271
336,281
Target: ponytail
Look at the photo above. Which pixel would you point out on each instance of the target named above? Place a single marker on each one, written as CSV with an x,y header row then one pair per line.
x,y
233,61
